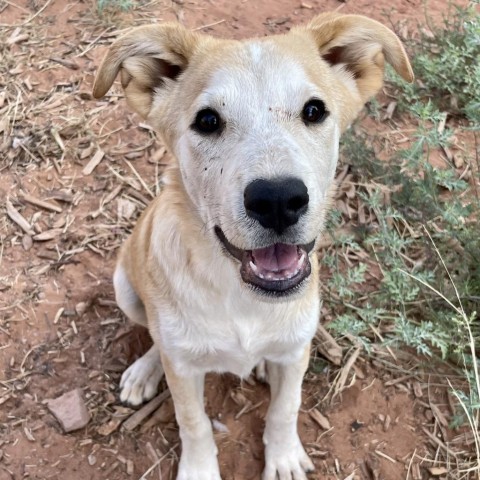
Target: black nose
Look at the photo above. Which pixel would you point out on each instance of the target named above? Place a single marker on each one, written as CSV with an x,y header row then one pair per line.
x,y
276,204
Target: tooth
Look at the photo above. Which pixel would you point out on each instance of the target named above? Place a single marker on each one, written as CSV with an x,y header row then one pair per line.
x,y
253,267
302,258
261,275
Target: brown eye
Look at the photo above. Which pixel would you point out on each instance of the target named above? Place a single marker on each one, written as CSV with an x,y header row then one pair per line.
x,y
207,121
314,111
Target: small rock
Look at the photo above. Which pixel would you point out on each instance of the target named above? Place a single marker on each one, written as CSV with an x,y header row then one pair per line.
x,y
70,410
92,459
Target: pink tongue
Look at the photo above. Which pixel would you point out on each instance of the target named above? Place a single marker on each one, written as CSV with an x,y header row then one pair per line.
x,y
276,257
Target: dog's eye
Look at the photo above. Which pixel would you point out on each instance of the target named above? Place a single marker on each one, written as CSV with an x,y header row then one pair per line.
x,y
207,121
314,111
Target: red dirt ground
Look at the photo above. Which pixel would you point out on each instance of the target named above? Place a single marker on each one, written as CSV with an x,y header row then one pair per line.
x,y
59,327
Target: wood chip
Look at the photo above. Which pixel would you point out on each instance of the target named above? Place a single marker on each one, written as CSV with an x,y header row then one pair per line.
x,y
16,37
47,235
27,242
58,139
111,426
320,419
417,389
140,415
389,111
437,471
93,163
17,217
28,434
328,347
61,196
416,472
42,203
387,422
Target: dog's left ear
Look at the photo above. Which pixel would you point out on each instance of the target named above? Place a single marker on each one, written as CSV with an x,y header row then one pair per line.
x,y
360,45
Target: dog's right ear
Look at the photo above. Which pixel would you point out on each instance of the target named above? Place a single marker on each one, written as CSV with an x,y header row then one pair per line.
x,y
147,58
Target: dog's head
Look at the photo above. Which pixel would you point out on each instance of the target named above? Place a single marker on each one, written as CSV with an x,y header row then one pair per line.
x,y
255,126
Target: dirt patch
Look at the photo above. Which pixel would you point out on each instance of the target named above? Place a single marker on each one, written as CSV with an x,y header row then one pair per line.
x,y
59,327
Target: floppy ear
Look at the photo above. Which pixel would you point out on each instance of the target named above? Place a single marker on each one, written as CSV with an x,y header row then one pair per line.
x,y
146,57
360,46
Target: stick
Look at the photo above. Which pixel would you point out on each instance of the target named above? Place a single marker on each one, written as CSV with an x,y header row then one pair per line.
x,y
17,217
140,415
208,25
42,204
439,443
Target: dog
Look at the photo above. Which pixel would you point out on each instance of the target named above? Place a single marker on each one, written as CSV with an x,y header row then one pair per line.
x,y
221,267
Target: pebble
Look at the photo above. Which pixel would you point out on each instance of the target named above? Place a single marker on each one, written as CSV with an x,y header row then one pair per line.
x,y
70,410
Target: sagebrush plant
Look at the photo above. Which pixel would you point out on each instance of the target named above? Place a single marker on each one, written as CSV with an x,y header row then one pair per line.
x,y
446,61
421,214
114,5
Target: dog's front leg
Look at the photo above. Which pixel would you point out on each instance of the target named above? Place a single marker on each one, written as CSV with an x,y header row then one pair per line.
x,y
284,453
198,460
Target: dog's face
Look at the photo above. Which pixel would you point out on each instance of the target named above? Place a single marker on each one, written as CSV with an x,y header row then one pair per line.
x,y
255,127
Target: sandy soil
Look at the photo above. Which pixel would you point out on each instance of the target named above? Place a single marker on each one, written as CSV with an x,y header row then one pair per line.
x,y
59,327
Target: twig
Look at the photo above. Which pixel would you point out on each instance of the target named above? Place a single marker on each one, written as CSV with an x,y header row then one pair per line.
x,y
439,442
140,415
6,25
347,367
152,467
92,44
140,179
208,25
42,204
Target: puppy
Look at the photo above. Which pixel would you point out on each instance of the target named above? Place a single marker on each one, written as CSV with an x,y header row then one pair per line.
x,y
221,267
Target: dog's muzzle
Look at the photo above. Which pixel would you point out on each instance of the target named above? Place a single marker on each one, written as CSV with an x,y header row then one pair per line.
x,y
279,269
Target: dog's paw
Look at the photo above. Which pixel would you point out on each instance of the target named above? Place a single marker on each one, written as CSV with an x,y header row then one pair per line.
x,y
140,381
207,469
286,463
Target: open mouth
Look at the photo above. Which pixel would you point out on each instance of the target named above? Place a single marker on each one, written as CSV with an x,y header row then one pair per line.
x,y
278,269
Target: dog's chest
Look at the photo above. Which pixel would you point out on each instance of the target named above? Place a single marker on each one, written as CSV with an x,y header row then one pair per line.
x,y
236,339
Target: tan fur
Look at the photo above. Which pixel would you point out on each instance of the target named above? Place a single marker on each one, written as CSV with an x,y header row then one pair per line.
x,y
172,275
